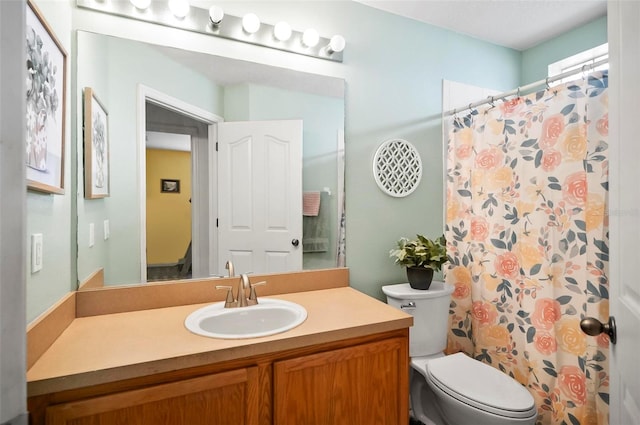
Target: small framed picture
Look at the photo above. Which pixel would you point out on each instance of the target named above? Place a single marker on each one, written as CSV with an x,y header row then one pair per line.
x,y
169,186
96,147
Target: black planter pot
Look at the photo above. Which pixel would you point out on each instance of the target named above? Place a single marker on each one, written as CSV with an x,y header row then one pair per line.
x,y
419,277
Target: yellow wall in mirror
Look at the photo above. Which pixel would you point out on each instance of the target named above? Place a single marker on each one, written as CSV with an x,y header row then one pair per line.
x,y
168,213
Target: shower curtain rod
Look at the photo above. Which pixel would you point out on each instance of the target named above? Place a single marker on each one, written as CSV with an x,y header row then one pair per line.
x,y
519,90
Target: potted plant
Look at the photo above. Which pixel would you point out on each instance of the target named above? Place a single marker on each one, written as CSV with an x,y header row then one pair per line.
x,y
421,256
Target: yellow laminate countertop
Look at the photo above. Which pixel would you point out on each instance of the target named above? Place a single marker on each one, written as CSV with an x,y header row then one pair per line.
x,y
112,347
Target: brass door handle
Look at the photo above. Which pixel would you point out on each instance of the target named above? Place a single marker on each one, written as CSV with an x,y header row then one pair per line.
x,y
592,326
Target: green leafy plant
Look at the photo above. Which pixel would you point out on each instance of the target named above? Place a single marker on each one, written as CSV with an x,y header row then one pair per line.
x,y
420,252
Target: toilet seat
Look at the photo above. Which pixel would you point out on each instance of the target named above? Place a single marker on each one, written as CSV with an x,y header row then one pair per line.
x,y
481,386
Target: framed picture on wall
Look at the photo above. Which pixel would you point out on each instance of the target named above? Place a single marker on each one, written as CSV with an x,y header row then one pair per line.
x,y
169,186
96,147
45,102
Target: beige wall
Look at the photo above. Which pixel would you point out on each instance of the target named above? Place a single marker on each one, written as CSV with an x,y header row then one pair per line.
x,y
168,214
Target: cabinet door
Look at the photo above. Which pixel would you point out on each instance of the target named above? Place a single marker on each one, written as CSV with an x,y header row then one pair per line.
x,y
223,398
364,384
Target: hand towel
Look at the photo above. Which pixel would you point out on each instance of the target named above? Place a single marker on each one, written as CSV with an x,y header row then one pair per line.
x,y
315,229
310,203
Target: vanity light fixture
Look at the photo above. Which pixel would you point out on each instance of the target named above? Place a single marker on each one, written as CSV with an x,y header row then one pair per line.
x,y
216,14
310,37
141,4
282,31
214,22
179,8
251,23
336,44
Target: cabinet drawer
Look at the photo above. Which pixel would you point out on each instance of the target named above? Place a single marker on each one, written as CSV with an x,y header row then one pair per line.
x,y
227,397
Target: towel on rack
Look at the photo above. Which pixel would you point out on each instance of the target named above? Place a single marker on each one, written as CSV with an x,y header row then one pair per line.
x,y
310,203
315,228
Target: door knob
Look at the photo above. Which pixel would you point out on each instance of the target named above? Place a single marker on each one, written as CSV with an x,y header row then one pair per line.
x,y
592,326
295,242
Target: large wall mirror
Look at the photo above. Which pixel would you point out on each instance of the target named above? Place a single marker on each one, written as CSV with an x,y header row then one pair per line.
x,y
164,109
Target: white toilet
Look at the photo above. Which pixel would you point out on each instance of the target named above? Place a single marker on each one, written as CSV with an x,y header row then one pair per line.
x,y
454,389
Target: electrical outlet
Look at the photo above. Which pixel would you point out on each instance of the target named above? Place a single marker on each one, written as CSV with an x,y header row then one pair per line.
x,y
106,229
92,235
36,252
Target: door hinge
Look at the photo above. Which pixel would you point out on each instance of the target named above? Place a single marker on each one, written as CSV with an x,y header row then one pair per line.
x,y
216,222
216,146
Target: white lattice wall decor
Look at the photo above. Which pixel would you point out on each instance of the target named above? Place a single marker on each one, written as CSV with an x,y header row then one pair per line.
x,y
397,167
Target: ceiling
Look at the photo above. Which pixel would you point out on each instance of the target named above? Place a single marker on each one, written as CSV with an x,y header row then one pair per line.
x,y
518,24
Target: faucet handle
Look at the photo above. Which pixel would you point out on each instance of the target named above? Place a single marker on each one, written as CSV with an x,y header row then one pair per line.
x,y
253,298
264,282
229,302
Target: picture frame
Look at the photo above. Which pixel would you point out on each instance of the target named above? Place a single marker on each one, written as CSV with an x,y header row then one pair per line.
x,y
46,89
169,186
96,147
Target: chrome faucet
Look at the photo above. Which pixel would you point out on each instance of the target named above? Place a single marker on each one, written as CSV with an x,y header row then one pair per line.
x,y
241,299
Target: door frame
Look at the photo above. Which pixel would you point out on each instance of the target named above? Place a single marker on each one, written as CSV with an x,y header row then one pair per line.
x,y
201,218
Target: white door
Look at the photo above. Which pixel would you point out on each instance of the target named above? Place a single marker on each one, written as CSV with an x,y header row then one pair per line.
x,y
260,195
624,52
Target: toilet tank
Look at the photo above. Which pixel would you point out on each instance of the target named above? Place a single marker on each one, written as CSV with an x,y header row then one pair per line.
x,y
430,311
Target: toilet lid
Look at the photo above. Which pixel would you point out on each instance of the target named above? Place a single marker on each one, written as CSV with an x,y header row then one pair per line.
x,y
480,385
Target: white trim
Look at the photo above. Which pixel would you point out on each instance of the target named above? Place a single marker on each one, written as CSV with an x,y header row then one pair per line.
x,y
145,94
214,267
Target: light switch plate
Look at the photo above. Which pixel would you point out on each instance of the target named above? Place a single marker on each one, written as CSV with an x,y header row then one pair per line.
x,y
36,252
106,229
92,235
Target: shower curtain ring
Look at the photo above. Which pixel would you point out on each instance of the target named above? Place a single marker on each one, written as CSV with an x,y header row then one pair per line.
x,y
546,81
518,93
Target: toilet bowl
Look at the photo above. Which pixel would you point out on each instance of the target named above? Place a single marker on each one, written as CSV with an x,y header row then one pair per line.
x,y
453,389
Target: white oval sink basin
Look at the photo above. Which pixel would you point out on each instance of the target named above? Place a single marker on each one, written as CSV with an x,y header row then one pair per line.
x,y
270,316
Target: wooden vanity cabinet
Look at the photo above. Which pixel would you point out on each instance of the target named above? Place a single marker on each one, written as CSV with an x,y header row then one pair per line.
x,y
361,380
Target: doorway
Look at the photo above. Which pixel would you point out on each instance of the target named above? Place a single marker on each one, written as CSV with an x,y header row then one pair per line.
x,y
168,171
175,120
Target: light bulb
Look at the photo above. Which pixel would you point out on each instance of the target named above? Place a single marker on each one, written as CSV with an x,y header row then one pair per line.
x,y
141,4
336,44
250,23
215,15
282,31
179,8
310,38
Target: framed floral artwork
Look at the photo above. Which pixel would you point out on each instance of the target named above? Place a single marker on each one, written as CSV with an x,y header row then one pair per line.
x,y
45,96
96,147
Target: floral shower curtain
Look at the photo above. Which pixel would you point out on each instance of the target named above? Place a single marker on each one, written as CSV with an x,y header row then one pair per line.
x,y
527,238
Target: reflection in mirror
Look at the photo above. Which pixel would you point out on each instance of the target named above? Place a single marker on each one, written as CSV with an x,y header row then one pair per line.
x,y
165,193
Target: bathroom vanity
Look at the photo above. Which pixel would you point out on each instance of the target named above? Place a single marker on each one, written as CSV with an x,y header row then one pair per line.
x,y
347,363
